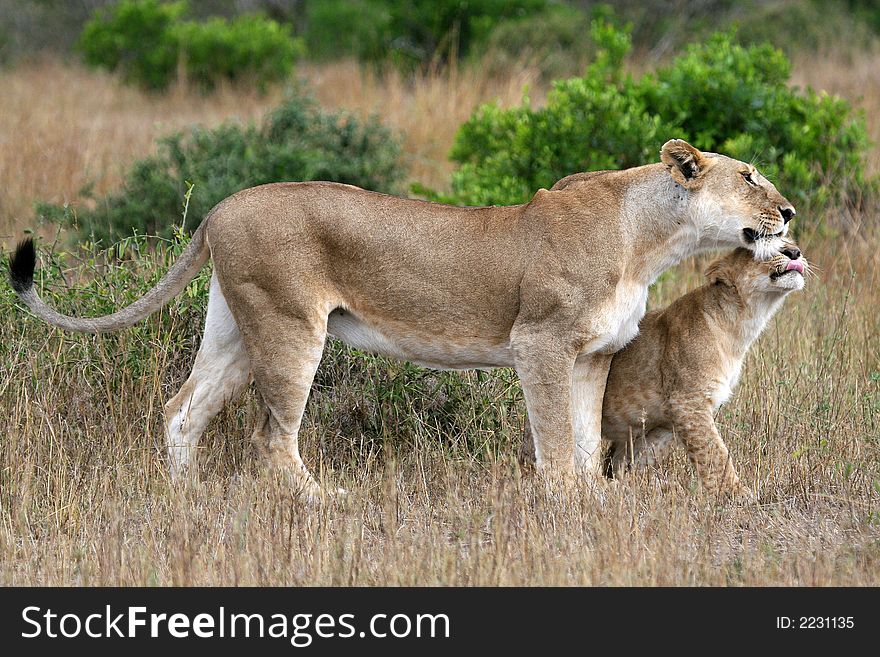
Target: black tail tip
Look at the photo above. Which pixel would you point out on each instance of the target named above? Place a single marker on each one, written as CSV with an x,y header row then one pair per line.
x,y
21,266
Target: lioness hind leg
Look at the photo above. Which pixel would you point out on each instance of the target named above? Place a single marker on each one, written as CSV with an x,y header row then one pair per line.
x,y
284,389
285,348
219,375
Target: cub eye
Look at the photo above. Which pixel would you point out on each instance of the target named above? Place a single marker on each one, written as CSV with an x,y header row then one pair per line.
x,y
747,176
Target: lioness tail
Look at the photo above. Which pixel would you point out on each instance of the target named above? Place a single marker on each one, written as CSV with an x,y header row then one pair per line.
x,y
21,277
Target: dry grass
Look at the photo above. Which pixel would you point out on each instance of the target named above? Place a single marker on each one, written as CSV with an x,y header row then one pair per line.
x,y
427,110
856,77
84,498
62,126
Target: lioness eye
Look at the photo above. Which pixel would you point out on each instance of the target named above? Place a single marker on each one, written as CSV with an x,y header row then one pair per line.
x,y
748,177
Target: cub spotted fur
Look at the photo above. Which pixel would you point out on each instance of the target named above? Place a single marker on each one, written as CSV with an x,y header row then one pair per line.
x,y
551,287
670,380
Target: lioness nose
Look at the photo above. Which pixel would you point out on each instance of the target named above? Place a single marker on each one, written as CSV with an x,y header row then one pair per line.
x,y
787,213
792,252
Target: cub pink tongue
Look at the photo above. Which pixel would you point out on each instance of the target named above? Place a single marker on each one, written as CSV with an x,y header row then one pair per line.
x,y
794,264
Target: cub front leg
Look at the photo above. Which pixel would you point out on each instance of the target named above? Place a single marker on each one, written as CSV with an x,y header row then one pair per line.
x,y
546,377
695,425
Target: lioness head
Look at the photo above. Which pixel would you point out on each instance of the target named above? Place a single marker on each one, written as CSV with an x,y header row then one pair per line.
x,y
735,202
782,273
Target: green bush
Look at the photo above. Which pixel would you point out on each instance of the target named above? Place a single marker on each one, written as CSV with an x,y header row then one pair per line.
x,y
719,95
249,46
598,121
134,38
297,141
409,33
344,28
553,40
736,100
149,43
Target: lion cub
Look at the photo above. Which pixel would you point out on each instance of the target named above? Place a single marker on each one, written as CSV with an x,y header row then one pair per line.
x,y
687,358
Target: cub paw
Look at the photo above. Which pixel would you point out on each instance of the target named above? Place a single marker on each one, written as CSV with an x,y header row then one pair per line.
x,y
741,494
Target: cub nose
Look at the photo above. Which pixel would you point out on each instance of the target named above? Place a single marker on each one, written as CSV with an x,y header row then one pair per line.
x,y
787,213
792,252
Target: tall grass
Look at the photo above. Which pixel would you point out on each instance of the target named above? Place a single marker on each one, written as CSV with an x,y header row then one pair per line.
x,y
63,127
436,495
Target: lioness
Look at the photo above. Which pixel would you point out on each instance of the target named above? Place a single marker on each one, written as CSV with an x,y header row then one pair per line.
x,y
552,288
687,358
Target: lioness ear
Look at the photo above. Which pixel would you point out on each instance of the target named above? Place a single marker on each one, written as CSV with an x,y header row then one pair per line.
x,y
685,163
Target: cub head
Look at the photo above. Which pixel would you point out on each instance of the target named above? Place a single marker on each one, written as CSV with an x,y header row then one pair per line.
x,y
782,273
732,203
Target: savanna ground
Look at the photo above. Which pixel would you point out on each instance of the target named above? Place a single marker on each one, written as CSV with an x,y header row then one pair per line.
x,y
430,460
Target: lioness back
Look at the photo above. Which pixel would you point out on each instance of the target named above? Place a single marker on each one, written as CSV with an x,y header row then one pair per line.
x,y
383,259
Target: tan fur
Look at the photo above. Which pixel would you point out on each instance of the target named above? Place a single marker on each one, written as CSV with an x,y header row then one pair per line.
x,y
668,383
672,378
551,287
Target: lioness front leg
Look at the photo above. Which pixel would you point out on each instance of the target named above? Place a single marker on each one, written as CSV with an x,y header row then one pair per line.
x,y
587,393
546,377
695,425
589,374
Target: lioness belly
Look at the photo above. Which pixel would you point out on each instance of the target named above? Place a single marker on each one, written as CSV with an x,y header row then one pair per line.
x,y
435,350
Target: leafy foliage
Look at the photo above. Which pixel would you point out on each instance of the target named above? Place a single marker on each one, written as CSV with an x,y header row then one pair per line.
x,y
409,32
150,44
598,121
551,40
297,141
719,95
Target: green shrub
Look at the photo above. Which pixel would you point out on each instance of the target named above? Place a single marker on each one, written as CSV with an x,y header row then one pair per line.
x,y
735,100
344,28
408,33
719,95
598,121
249,46
297,141
149,43
134,38
552,40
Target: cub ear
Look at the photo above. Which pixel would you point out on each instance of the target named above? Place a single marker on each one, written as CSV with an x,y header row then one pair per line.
x,y
685,163
721,272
